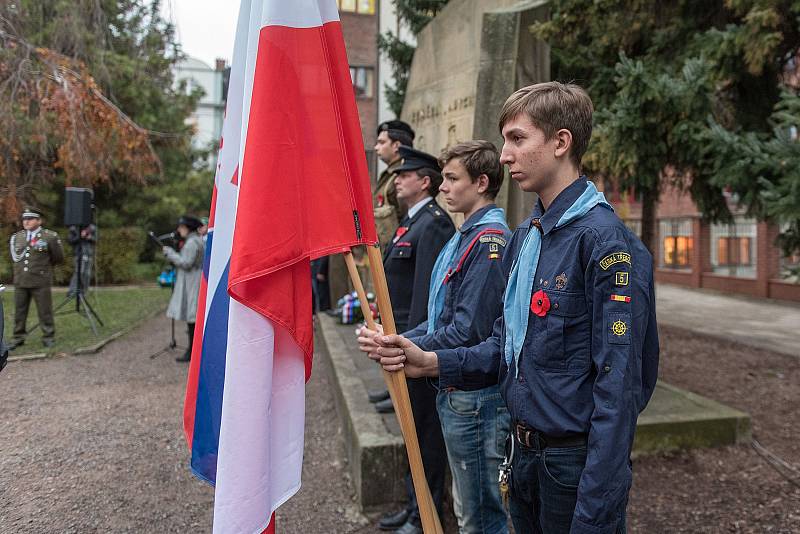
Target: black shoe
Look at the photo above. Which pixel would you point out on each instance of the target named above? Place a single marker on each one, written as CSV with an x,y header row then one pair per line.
x,y
48,343
377,395
14,344
393,521
384,406
187,356
409,528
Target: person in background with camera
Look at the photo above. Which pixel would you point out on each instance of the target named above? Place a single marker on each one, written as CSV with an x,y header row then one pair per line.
x,y
34,252
83,240
188,261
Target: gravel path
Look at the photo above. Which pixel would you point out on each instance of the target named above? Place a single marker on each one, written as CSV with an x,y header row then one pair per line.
x,y
94,444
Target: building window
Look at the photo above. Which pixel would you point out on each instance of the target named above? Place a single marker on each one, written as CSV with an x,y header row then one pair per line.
x,y
676,243
734,251
364,7
733,248
362,81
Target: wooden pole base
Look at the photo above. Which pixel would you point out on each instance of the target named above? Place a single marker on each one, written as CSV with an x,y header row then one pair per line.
x,y
396,384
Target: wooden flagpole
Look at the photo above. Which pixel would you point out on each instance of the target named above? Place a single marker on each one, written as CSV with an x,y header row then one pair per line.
x,y
396,383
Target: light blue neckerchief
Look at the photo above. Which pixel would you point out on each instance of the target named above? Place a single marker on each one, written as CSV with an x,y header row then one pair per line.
x,y
517,299
442,266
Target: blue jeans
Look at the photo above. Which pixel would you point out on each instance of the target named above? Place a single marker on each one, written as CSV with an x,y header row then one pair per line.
x,y
475,425
544,489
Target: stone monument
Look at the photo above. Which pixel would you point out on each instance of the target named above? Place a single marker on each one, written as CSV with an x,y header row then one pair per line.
x,y
468,60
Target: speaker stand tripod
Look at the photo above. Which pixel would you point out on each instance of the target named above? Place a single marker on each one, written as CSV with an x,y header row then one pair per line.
x,y
172,343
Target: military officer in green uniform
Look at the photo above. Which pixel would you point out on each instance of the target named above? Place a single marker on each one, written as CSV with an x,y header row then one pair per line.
x,y
388,211
34,252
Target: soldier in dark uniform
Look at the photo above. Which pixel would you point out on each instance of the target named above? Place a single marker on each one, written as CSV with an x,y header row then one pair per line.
x,y
34,251
408,262
577,344
388,211
466,296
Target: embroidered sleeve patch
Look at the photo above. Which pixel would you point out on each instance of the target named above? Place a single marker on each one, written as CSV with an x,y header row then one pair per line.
x,y
616,257
496,239
619,328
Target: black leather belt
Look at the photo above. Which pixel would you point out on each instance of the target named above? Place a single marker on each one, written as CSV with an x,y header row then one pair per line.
x,y
533,439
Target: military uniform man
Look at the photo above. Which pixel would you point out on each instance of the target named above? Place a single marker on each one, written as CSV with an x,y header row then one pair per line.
x,y
388,211
34,251
576,347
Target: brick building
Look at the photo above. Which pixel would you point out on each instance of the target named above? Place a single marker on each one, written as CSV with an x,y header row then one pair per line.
x,y
360,27
741,257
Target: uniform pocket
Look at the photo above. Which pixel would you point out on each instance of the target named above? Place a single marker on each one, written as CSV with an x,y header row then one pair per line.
x,y
400,252
566,337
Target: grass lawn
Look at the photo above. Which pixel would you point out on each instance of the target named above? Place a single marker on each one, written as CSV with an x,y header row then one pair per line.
x,y
118,308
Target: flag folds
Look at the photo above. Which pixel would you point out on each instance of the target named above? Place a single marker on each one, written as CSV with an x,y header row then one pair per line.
x,y
291,185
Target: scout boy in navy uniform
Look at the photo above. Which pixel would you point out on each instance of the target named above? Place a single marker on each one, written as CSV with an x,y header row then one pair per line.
x,y
577,344
408,262
465,297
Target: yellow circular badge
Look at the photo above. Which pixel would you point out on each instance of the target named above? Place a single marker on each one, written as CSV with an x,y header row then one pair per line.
x,y
619,328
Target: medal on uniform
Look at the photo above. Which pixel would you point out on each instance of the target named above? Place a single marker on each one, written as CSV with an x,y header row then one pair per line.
x,y
401,230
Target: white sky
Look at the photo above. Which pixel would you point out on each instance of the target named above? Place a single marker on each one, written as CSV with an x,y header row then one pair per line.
x,y
205,28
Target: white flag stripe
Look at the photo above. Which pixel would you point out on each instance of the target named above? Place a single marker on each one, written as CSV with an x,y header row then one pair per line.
x,y
299,13
263,410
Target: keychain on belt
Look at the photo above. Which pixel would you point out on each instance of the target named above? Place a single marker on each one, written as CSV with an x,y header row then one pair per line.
x,y
505,474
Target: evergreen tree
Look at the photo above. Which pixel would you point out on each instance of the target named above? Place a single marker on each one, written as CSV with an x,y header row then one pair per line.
x,y
663,75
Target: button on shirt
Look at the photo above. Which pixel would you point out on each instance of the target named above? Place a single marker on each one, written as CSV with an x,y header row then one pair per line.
x,y
473,292
589,364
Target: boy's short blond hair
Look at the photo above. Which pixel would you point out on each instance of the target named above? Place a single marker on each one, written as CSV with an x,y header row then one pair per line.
x,y
552,106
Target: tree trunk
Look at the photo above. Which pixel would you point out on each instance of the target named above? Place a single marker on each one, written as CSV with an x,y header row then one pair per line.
x,y
649,204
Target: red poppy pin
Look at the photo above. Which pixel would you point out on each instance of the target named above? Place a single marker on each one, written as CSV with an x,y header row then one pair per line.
x,y
401,230
540,303
380,200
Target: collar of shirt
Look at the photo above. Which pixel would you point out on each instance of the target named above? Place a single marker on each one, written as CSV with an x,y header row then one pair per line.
x,y
562,202
32,233
413,210
474,218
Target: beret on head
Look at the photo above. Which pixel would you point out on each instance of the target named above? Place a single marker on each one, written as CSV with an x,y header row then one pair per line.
x,y
396,125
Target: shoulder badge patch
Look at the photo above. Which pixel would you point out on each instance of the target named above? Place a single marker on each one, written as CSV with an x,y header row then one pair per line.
x,y
616,257
496,239
621,278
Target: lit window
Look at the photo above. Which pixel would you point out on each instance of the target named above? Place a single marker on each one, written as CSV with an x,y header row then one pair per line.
x,y
733,248
365,7
362,78
733,251
676,243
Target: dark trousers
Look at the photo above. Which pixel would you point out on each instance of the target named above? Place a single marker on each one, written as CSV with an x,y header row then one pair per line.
x,y
544,489
44,307
431,444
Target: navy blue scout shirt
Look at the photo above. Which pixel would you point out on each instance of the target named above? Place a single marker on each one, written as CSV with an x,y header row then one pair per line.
x,y
474,289
408,261
589,365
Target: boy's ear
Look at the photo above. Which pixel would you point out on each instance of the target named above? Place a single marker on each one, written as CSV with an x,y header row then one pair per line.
x,y
563,143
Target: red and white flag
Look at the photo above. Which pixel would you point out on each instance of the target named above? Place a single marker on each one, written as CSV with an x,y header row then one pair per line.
x,y
292,185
